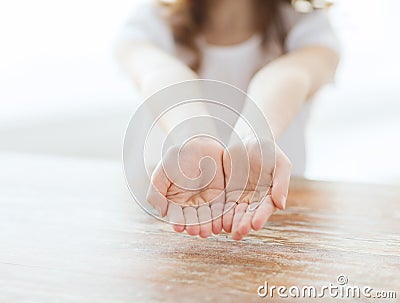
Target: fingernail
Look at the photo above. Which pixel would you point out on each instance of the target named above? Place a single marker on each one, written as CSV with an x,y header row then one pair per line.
x,y
283,202
158,209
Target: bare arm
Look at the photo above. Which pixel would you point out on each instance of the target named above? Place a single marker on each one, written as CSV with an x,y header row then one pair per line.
x,y
153,69
281,87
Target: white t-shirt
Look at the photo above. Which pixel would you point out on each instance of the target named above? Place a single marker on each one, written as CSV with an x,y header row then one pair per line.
x,y
241,61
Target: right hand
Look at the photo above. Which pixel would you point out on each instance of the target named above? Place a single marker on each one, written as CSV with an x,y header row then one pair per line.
x,y
180,187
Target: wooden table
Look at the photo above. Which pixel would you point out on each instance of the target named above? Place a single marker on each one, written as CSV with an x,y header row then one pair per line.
x,y
70,232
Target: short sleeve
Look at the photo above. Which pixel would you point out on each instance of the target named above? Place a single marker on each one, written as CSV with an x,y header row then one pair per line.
x,y
307,29
146,23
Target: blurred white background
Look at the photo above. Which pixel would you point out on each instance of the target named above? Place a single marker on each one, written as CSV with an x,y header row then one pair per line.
x,y
62,94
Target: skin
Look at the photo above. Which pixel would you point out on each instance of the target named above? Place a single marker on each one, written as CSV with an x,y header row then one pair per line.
x,y
185,203
230,202
248,183
292,79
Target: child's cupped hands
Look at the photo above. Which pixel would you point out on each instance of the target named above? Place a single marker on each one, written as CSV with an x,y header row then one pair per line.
x,y
203,188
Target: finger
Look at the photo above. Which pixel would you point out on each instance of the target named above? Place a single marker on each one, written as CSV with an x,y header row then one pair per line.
x,y
216,213
157,191
245,223
227,216
157,200
217,208
262,213
280,186
175,216
240,209
191,221
204,215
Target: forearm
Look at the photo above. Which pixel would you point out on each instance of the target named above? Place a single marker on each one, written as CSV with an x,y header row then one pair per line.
x,y
281,87
280,93
152,69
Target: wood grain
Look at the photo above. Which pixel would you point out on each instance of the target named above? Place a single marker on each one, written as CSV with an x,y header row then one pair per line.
x,y
70,232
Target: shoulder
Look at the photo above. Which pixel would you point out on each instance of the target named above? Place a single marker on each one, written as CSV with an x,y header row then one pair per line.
x,y
305,29
147,21
148,11
292,18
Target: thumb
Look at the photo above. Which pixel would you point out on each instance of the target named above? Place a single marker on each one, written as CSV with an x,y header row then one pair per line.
x,y
280,184
157,191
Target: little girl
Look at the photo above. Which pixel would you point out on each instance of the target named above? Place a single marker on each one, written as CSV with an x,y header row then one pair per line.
x,y
281,57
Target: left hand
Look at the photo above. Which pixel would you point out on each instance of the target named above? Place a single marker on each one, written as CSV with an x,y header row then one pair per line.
x,y
248,185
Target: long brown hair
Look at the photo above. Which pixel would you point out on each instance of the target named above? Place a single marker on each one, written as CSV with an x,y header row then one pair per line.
x,y
186,18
